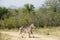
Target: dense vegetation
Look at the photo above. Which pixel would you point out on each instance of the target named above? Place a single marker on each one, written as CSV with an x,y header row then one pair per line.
x,y
47,15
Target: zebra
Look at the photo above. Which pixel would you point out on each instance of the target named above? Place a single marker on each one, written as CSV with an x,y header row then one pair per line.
x,y
28,30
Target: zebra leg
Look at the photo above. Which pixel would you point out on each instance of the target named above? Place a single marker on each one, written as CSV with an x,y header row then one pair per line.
x,y
32,34
21,34
29,35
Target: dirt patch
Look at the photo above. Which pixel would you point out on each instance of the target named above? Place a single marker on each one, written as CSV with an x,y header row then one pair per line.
x,y
16,36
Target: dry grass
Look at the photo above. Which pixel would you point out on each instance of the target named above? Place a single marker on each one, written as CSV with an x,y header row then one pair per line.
x,y
54,31
4,37
14,36
9,30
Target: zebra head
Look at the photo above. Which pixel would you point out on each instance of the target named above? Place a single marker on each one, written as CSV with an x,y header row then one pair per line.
x,y
32,26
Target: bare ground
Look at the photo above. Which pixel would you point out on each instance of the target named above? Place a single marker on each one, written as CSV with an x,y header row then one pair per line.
x,y
16,36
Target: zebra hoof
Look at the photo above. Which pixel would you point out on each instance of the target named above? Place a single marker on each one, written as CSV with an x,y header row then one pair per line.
x,y
29,36
22,36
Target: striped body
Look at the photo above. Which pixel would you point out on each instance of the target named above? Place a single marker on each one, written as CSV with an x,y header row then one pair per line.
x,y
26,30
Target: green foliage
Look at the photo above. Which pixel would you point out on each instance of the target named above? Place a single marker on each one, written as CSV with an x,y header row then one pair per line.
x,y
8,23
46,16
3,13
29,8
